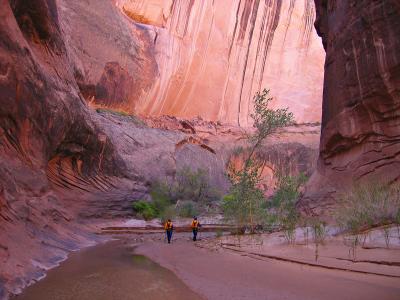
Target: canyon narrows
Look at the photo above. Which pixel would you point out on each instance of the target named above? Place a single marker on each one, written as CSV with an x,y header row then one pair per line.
x,y
100,98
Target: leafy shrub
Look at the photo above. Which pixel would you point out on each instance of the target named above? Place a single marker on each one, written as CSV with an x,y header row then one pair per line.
x,y
160,195
283,202
318,230
369,205
187,209
167,213
190,188
145,209
288,190
194,186
245,205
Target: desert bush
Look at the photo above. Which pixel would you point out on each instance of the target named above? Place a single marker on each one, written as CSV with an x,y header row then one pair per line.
x,y
134,119
160,195
287,191
318,230
168,212
283,204
187,209
238,150
145,209
187,194
194,185
289,230
367,206
244,205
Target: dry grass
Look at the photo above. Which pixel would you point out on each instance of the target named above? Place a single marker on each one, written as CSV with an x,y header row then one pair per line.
x,y
368,206
119,112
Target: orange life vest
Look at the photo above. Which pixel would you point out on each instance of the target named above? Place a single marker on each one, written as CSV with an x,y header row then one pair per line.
x,y
195,224
168,226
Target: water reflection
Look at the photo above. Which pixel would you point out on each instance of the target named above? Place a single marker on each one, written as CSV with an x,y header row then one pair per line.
x,y
105,272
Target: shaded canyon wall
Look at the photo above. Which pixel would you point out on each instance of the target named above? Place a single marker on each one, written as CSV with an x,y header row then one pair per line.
x,y
62,162
360,136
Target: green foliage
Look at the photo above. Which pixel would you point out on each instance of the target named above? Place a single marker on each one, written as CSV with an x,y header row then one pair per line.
x,y
193,186
188,194
288,191
244,204
121,113
282,204
145,209
369,205
160,195
318,230
167,213
266,120
187,209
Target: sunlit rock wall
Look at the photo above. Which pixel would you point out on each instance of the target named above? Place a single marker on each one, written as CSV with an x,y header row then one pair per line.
x,y
213,56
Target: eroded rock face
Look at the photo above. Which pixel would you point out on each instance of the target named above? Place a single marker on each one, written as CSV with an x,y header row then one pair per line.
x,y
60,161
360,138
213,56
51,150
113,57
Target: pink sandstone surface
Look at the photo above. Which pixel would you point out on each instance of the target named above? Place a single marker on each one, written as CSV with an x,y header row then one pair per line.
x,y
213,56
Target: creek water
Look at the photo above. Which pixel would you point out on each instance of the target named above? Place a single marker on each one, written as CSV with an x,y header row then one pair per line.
x,y
106,272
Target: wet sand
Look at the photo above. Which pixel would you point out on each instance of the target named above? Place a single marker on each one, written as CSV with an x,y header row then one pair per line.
x,y
226,275
182,270
107,272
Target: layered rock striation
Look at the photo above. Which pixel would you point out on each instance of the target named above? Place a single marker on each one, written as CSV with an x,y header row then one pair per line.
x,y
61,161
360,134
213,56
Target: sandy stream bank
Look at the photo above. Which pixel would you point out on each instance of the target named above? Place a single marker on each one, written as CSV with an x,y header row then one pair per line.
x,y
224,274
221,269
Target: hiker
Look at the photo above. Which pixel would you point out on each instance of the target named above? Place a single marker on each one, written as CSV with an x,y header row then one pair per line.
x,y
169,227
195,227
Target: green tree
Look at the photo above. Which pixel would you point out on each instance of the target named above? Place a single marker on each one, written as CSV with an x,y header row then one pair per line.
x,y
244,205
283,204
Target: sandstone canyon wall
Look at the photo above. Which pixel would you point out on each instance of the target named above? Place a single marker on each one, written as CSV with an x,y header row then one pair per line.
x,y
360,136
61,161
114,58
213,56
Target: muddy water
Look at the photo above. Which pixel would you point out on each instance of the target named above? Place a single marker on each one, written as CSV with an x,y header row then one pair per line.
x,y
107,272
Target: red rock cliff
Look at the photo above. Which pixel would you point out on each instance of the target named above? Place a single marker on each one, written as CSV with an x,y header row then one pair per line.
x,y
360,138
213,56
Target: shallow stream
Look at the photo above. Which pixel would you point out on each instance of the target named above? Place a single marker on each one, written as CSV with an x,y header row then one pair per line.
x,y
106,272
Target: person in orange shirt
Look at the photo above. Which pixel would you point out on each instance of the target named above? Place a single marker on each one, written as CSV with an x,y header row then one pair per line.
x,y
195,227
169,227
